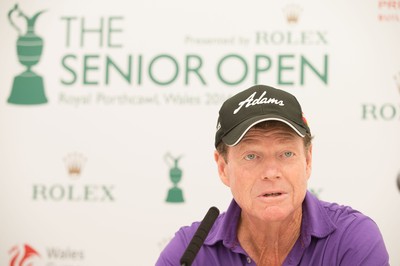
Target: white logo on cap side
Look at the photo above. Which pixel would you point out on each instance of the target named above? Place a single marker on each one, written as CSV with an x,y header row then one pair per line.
x,y
218,126
250,101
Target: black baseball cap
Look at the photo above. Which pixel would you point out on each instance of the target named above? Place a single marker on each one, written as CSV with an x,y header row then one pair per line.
x,y
257,104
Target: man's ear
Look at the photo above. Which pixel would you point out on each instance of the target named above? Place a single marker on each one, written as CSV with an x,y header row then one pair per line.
x,y
221,164
309,161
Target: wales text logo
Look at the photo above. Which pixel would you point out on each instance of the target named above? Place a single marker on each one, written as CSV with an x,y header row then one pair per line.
x,y
23,255
26,255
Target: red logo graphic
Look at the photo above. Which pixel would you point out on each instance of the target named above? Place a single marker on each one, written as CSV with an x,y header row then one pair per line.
x,y
389,11
304,119
22,256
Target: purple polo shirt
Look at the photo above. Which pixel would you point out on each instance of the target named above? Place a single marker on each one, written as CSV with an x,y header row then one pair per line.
x,y
330,235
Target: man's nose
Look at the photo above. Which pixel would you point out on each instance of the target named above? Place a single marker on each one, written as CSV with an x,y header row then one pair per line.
x,y
271,170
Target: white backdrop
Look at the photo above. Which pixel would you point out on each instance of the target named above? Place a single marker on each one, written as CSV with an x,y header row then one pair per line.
x,y
124,92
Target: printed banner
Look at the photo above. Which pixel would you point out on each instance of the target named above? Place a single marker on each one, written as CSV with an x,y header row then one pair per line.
x,y
108,112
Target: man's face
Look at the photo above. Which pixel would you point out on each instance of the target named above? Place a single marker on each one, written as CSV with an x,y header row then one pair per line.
x,y
267,173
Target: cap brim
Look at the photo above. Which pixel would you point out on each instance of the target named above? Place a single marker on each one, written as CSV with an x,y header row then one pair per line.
x,y
234,136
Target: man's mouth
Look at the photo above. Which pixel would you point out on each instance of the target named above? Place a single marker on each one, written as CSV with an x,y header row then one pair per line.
x,y
272,194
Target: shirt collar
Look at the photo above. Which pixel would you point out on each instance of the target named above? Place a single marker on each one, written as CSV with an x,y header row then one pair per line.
x,y
315,222
225,228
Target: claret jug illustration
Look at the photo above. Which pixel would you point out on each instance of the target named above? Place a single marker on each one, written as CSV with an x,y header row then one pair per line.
x,y
28,87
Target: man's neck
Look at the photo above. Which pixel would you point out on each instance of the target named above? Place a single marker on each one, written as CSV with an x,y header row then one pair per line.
x,y
269,243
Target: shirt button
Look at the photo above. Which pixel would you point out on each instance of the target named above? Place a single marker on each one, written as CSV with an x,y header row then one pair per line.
x,y
248,260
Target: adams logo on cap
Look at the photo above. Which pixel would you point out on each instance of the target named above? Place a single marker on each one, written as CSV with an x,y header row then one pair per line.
x,y
250,101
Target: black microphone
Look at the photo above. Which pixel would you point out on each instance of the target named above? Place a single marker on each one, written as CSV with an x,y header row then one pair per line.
x,y
199,237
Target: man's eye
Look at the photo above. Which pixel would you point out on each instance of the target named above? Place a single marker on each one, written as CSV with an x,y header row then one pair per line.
x,y
288,154
250,156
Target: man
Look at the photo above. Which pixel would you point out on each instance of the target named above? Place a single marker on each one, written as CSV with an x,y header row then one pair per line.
x,y
264,155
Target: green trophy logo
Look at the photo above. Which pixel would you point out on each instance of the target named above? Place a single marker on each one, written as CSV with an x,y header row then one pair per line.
x,y
28,88
175,194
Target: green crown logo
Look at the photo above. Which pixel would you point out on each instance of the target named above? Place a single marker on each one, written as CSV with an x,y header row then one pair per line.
x,y
28,88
